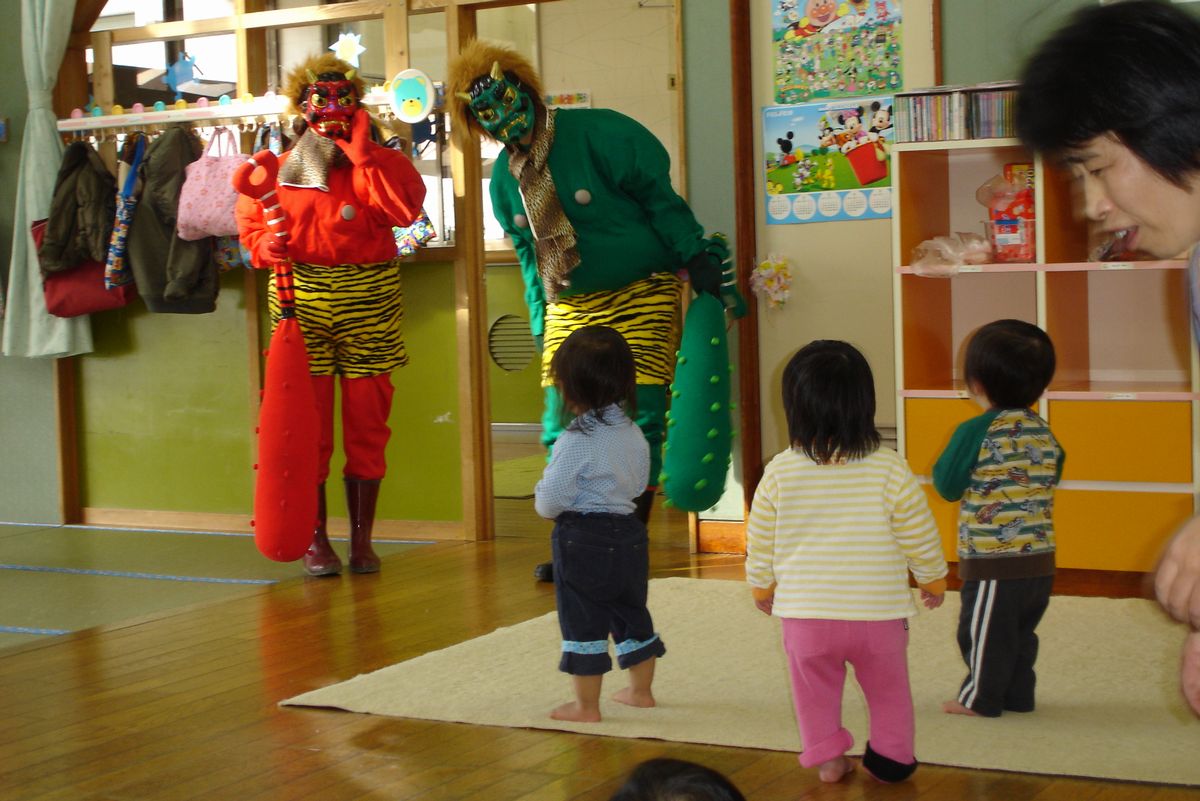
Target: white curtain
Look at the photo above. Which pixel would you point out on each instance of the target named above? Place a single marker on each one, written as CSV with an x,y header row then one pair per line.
x,y
29,330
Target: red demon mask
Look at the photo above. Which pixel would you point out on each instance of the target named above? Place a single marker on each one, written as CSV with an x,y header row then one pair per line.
x,y
330,104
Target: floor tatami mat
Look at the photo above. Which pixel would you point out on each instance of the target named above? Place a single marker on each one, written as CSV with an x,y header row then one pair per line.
x,y
56,580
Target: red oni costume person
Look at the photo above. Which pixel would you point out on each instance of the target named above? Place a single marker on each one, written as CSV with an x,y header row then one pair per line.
x,y
341,194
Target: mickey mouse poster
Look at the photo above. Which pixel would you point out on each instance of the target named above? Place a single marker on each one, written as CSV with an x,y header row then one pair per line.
x,y
828,161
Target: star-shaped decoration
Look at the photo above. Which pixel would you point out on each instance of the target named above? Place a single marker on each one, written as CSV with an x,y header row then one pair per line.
x,y
348,47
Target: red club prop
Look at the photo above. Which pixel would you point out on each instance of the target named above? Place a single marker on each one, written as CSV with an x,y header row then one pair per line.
x,y
285,487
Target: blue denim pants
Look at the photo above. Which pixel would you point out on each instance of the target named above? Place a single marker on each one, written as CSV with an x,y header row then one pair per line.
x,y
601,568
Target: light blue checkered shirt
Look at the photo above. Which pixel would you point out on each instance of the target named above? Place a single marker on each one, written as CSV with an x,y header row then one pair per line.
x,y
599,464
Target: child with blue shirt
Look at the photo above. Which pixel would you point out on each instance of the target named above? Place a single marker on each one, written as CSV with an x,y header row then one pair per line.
x,y
1003,466
598,466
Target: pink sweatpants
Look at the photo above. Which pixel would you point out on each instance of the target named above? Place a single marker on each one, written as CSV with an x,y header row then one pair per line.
x,y
818,651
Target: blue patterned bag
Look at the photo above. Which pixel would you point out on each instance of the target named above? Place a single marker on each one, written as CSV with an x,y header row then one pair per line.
x,y
116,266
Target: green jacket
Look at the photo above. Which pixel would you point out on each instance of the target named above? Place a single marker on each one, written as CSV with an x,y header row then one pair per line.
x,y
613,180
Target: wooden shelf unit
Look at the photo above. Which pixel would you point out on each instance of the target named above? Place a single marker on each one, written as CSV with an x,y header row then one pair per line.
x,y
1125,400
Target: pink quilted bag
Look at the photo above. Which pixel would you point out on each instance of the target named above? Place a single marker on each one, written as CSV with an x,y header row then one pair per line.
x,y
208,197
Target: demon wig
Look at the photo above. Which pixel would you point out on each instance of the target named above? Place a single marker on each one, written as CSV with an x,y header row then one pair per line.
x,y
475,61
298,80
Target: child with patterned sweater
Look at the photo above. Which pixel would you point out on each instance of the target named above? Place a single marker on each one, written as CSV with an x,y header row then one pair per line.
x,y
836,524
1004,466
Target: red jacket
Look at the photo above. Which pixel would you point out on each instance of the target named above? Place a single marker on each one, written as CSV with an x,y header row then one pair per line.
x,y
349,224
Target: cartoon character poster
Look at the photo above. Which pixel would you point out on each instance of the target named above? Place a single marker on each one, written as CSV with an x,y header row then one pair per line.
x,y
835,48
828,161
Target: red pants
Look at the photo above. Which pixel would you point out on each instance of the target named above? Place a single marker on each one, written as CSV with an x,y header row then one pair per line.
x,y
366,404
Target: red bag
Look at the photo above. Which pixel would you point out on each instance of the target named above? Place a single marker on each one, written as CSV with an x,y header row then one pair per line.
x,y
79,290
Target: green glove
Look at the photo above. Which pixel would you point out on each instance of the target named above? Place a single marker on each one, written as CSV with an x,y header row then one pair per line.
x,y
699,425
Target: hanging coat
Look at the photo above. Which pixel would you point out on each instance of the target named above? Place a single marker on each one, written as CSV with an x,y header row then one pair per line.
x,y
173,275
81,211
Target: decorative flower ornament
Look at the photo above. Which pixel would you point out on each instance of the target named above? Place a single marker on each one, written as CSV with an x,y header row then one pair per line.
x,y
772,280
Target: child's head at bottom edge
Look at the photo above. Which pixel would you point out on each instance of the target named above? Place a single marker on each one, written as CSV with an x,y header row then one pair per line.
x,y
676,780
829,399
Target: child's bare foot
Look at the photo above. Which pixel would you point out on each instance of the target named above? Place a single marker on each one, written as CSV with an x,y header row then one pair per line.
x,y
835,769
574,712
632,697
955,708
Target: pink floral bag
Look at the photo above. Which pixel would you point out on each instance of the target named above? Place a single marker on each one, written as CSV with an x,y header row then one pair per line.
x,y
208,197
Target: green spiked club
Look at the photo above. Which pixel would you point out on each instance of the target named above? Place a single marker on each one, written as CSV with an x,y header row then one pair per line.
x,y
700,428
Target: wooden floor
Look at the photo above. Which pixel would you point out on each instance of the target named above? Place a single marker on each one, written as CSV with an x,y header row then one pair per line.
x,y
182,705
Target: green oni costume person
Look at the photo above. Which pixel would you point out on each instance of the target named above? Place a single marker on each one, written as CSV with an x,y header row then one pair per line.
x,y
586,197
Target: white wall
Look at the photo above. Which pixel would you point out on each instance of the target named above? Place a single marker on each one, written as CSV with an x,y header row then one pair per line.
x,y
622,54
841,271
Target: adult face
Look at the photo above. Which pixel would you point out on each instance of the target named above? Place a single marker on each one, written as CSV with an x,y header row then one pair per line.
x,y
1127,200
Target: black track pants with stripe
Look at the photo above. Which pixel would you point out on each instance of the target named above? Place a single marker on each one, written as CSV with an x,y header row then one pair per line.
x,y
996,634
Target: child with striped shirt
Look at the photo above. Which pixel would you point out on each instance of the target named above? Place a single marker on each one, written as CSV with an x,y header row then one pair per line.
x,y
836,525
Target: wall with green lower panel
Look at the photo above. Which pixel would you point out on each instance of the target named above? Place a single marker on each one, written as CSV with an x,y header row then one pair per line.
x,y
165,409
516,397
166,412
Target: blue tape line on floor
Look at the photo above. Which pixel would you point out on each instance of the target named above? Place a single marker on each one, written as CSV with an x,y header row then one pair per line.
x,y
24,630
124,574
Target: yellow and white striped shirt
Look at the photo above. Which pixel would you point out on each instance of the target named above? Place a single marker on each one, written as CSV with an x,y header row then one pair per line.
x,y
839,539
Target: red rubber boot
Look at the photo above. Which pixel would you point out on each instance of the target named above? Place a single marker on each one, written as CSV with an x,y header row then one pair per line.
x,y
361,494
319,559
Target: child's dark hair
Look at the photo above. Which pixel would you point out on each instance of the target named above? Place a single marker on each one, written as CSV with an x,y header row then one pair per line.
x,y
1012,361
1131,69
593,368
829,397
676,780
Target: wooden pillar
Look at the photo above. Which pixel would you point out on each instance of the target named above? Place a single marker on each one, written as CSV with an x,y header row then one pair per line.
x,y
744,215
470,307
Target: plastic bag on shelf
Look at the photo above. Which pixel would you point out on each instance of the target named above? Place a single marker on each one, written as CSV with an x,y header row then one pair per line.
x,y
942,256
1010,204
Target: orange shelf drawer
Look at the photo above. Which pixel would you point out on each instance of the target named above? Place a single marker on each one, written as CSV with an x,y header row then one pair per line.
x,y
928,426
1115,530
1143,441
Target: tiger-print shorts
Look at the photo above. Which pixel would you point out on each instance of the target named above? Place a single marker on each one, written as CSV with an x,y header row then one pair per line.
x,y
645,312
351,316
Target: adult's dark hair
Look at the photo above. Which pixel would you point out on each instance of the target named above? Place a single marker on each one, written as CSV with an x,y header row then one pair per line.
x,y
593,368
676,780
1012,361
1129,69
829,398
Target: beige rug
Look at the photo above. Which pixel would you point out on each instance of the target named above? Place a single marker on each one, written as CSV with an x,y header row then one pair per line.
x,y
1108,706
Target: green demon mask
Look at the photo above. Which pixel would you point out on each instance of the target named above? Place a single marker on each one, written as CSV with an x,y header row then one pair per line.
x,y
501,105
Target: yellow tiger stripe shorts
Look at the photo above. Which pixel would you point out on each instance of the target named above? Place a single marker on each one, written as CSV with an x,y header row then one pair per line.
x,y
351,316
645,312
